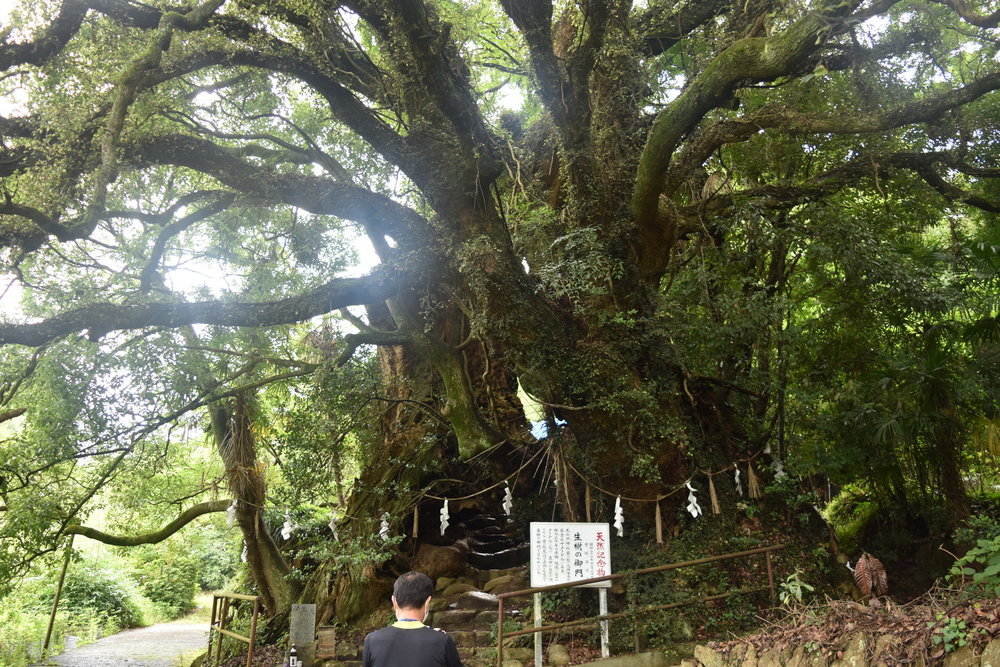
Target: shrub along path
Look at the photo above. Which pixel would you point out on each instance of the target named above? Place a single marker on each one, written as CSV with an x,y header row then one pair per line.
x,y
162,645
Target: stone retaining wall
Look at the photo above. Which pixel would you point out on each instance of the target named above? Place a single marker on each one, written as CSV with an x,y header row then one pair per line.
x,y
857,651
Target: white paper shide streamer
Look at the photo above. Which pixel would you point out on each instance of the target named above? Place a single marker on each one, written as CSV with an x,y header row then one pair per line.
x,y
231,514
779,469
243,556
619,517
444,516
383,530
508,500
333,526
693,507
287,528
739,484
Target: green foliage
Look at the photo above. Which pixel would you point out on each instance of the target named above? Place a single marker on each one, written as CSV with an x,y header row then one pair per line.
x,y
849,513
168,575
951,633
217,551
94,586
977,527
21,635
792,590
98,600
509,625
982,564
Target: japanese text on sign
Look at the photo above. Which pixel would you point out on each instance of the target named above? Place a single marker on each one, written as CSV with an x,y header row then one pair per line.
x,y
562,553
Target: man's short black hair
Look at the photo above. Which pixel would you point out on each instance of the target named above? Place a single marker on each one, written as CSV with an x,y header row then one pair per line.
x,y
412,589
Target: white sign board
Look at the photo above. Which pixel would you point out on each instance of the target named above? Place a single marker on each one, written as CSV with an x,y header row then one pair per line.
x,y
562,553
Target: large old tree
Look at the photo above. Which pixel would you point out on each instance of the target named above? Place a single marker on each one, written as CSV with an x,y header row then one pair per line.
x,y
652,216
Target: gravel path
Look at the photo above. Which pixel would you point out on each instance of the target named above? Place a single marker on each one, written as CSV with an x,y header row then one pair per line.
x,y
160,645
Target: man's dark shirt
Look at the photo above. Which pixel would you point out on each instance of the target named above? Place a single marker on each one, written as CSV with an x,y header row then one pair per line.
x,y
410,644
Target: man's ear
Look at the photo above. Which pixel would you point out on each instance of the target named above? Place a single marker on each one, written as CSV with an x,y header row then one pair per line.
x,y
426,608
394,603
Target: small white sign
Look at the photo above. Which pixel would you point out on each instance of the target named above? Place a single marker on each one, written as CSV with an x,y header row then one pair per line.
x,y
562,553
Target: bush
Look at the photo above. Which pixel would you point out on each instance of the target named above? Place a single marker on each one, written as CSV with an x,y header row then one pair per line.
x,y
168,576
977,527
979,569
21,637
218,552
91,586
95,602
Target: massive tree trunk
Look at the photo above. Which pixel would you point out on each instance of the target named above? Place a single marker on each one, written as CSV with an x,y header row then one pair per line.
x,y
232,429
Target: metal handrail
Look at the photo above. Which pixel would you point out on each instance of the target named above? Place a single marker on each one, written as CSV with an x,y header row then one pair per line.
x,y
223,619
767,551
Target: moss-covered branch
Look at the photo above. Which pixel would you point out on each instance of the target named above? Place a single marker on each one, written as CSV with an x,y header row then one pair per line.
x,y
49,42
100,318
182,520
749,59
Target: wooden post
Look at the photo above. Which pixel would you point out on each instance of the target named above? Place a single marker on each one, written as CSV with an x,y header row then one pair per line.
x,y
55,601
211,625
222,626
500,632
253,631
770,577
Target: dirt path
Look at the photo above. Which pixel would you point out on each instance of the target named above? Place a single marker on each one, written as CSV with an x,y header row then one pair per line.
x,y
163,645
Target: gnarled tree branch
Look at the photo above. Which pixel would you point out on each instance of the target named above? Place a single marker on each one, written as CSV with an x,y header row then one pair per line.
x,y
182,520
101,318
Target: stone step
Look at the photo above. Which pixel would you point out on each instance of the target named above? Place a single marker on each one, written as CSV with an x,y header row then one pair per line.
x,y
503,560
492,546
462,619
477,600
481,521
483,538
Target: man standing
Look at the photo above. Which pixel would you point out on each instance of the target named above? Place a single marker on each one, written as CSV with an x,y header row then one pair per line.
x,y
408,642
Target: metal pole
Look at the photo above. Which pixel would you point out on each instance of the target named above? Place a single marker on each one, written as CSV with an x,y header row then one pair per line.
x,y
602,607
538,635
55,601
646,570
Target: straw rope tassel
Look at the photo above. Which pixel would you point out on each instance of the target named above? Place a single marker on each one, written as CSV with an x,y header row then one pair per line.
x,y
586,502
714,498
416,521
659,524
753,485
